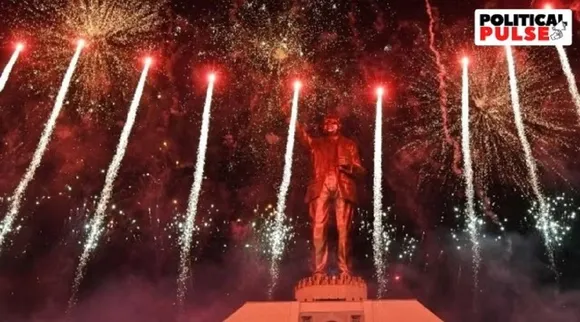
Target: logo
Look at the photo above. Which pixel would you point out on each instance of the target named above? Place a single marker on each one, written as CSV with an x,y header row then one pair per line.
x,y
524,27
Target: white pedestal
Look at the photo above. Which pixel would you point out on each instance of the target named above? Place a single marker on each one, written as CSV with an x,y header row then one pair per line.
x,y
333,300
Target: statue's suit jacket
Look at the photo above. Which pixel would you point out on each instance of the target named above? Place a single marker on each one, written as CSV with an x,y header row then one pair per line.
x,y
347,150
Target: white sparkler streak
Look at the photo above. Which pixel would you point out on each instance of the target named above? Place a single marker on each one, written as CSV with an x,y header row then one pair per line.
x,y
572,87
187,233
16,199
378,245
544,212
472,223
279,233
8,68
96,225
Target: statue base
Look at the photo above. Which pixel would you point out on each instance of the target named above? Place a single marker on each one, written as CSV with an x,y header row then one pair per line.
x,y
330,298
331,288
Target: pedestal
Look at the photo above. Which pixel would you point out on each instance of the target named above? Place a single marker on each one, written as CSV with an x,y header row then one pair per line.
x,y
329,288
324,299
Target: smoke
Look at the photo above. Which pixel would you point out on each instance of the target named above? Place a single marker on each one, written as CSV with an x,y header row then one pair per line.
x,y
134,281
134,290
516,282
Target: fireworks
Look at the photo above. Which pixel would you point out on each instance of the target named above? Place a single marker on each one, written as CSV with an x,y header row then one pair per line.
x,y
469,225
530,162
443,97
98,221
468,171
562,212
494,135
260,232
116,31
16,200
263,42
569,77
513,146
280,231
8,68
515,99
507,145
269,43
187,233
378,195
394,241
495,144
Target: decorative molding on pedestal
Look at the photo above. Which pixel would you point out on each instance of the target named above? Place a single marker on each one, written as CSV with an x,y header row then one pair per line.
x,y
331,288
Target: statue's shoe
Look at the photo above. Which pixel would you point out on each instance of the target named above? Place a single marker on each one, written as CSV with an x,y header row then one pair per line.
x,y
323,287
345,277
320,278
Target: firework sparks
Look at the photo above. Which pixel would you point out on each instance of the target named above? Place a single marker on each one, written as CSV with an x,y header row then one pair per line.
x,y
493,136
10,65
569,77
379,260
495,146
544,214
264,227
280,231
443,99
395,244
562,211
468,171
97,222
477,224
16,199
187,233
116,30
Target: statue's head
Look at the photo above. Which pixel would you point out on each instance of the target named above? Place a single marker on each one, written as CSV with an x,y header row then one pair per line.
x,y
331,125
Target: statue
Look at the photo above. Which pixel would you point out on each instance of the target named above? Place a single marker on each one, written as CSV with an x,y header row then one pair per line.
x,y
335,166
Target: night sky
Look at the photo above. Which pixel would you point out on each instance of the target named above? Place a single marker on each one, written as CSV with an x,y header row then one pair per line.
x,y
340,50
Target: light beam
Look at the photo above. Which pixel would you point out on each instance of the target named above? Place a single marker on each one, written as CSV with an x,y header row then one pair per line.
x,y
544,219
279,234
187,232
8,222
97,223
379,251
472,222
570,77
10,65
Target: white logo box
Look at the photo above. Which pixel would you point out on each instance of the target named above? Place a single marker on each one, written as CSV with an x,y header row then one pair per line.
x,y
560,34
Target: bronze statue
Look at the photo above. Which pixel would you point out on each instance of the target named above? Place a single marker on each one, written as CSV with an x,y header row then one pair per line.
x,y
335,166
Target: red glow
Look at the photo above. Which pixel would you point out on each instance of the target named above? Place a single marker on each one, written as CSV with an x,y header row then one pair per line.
x,y
548,6
211,77
397,277
465,60
297,85
81,42
148,60
19,46
380,91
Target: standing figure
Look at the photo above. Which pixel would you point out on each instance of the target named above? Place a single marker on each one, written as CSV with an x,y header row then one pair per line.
x,y
335,166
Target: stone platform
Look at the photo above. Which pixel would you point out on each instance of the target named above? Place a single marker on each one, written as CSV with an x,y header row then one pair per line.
x,y
333,299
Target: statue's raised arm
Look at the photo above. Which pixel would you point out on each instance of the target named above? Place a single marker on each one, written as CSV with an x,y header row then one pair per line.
x,y
303,135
